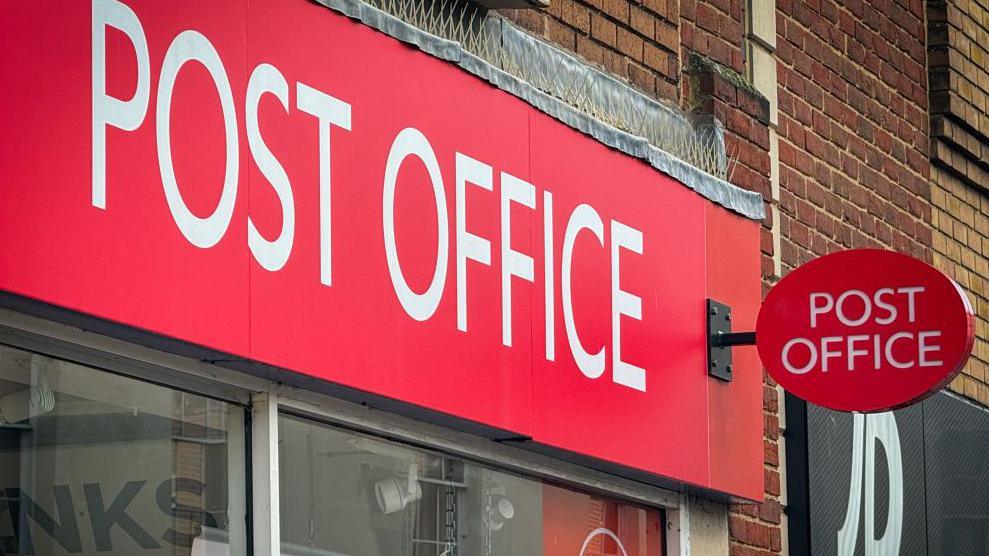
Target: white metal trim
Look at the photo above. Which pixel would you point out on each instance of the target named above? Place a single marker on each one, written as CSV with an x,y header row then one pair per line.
x,y
264,473
678,528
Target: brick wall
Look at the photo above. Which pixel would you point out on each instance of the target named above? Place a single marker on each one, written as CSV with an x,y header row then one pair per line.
x,y
848,110
854,169
959,38
713,88
636,41
688,53
961,249
645,42
851,168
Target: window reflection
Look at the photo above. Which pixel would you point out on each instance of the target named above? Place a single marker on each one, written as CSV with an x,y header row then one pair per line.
x,y
347,494
95,463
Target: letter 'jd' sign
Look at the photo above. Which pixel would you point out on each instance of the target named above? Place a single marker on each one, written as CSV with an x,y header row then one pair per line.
x,y
865,330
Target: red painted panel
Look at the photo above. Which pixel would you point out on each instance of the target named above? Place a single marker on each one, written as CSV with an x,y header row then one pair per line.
x,y
736,417
668,341
356,332
865,330
128,263
133,263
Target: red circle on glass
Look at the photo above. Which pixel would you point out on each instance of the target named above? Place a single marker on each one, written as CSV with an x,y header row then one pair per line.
x,y
865,330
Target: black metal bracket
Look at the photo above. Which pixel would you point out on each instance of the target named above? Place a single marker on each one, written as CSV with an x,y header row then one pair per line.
x,y
720,340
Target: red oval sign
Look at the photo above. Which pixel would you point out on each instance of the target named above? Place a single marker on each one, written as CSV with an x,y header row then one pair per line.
x,y
865,330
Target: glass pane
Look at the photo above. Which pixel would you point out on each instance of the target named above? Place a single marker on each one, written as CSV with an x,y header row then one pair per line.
x,y
578,523
95,463
344,493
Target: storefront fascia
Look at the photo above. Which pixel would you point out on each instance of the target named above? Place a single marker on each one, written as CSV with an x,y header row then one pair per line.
x,y
266,402
338,331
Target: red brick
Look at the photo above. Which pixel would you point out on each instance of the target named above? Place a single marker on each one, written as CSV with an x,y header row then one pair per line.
x,y
643,22
666,36
629,44
758,534
663,8
772,482
770,453
854,160
561,35
770,511
576,15
642,78
617,9
656,59
604,30
738,528
590,50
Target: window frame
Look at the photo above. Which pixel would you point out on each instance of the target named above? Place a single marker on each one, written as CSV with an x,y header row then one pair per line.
x,y
265,399
29,338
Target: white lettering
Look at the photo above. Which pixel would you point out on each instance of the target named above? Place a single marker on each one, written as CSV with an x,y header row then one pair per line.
x,y
925,348
411,142
826,352
890,309
866,430
584,217
853,353
329,111
548,279
889,350
469,246
122,114
271,255
840,308
816,309
191,46
513,263
811,361
624,303
911,302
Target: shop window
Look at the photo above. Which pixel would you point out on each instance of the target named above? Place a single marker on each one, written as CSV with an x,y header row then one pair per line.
x,y
96,463
344,493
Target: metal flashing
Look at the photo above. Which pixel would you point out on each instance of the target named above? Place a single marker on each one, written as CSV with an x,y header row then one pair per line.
x,y
539,54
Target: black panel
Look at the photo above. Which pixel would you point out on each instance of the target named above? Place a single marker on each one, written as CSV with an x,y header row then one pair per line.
x,y
830,449
944,461
797,493
957,443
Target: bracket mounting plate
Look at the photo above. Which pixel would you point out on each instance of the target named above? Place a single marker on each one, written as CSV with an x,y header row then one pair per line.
x,y
718,356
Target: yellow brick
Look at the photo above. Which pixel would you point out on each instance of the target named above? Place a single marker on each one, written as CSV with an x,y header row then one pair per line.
x,y
982,265
954,252
968,258
978,286
971,388
958,384
938,197
975,369
967,215
981,225
983,394
939,242
954,205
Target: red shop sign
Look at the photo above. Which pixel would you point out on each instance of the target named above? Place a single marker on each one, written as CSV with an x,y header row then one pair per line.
x,y
865,330
279,183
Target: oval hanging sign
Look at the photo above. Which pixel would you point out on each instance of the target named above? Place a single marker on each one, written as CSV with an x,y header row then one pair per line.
x,y
865,330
